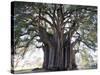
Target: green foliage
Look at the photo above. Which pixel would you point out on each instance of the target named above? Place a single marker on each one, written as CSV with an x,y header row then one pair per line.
x,y
25,16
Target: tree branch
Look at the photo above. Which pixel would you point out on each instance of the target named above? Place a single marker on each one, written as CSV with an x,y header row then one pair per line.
x,y
42,18
88,45
52,17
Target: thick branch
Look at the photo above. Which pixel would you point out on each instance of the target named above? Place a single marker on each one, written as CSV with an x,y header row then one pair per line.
x,y
27,44
74,43
46,20
52,17
44,36
88,45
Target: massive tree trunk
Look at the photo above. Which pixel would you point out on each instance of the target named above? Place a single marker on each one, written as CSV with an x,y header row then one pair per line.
x,y
59,55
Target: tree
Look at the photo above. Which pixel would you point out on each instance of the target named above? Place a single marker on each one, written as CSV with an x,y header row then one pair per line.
x,y
56,25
